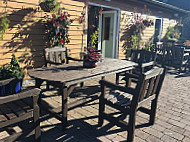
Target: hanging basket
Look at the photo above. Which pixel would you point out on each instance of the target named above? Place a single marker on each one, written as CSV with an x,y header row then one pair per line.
x,y
47,7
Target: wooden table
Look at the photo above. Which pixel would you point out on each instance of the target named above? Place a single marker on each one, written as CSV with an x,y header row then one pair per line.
x,y
67,76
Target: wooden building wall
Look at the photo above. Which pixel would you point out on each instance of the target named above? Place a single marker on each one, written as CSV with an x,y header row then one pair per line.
x,y
27,36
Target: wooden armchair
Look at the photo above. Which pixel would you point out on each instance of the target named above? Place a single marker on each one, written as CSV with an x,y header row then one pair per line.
x,y
128,100
15,108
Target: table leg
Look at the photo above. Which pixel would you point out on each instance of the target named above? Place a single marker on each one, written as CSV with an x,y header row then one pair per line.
x,y
117,78
38,83
128,82
63,92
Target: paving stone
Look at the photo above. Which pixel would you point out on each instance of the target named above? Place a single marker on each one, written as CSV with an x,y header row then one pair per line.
x,y
153,132
173,134
187,133
153,139
141,134
187,127
167,138
186,139
177,129
138,139
176,123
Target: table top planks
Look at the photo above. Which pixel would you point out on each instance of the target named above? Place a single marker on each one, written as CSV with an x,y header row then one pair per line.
x,y
75,72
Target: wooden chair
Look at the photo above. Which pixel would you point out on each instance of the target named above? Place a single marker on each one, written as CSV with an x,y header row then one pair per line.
x,y
57,56
176,57
145,60
128,100
18,107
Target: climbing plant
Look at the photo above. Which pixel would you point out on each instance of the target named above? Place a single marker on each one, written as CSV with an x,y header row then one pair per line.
x,y
4,25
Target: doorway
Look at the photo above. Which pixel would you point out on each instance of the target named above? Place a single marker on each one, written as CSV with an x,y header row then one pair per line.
x,y
107,25
158,30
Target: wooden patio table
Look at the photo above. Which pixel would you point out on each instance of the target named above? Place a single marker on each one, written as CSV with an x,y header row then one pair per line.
x,y
67,76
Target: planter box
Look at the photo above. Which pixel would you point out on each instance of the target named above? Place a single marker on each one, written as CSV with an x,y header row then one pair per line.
x,y
10,86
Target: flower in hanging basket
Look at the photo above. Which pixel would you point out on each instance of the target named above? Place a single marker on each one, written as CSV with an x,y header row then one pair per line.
x,y
50,6
58,29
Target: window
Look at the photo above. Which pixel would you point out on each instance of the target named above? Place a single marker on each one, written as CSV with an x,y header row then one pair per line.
x,y
107,28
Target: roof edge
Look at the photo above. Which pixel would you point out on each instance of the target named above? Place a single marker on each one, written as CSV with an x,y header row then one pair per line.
x,y
166,6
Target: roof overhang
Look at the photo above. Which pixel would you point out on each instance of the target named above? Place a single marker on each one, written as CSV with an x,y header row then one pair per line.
x,y
165,5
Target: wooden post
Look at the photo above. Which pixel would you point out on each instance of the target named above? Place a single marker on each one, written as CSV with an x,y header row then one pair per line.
x,y
36,118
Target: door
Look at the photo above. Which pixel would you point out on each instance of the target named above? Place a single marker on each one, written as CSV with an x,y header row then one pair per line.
x,y
158,30
107,33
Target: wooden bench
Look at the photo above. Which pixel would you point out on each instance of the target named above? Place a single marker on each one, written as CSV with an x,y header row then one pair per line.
x,y
18,107
128,100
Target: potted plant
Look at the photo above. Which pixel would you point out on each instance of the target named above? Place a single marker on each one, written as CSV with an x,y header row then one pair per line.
x,y
13,73
91,58
50,6
4,25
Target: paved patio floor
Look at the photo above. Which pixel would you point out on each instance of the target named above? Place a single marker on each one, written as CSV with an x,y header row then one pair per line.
x,y
172,119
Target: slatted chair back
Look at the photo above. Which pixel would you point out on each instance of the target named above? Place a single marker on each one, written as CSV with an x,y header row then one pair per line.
x,y
176,57
143,57
55,55
150,85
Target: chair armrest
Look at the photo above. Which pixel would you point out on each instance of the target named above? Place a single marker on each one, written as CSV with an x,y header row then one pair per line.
x,y
74,59
24,94
185,54
54,63
117,87
129,75
147,64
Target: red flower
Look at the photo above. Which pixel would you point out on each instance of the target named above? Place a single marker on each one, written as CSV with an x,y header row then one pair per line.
x,y
62,41
71,20
53,15
101,10
63,18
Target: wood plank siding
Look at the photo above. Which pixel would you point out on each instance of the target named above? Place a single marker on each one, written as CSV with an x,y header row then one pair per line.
x,y
26,36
